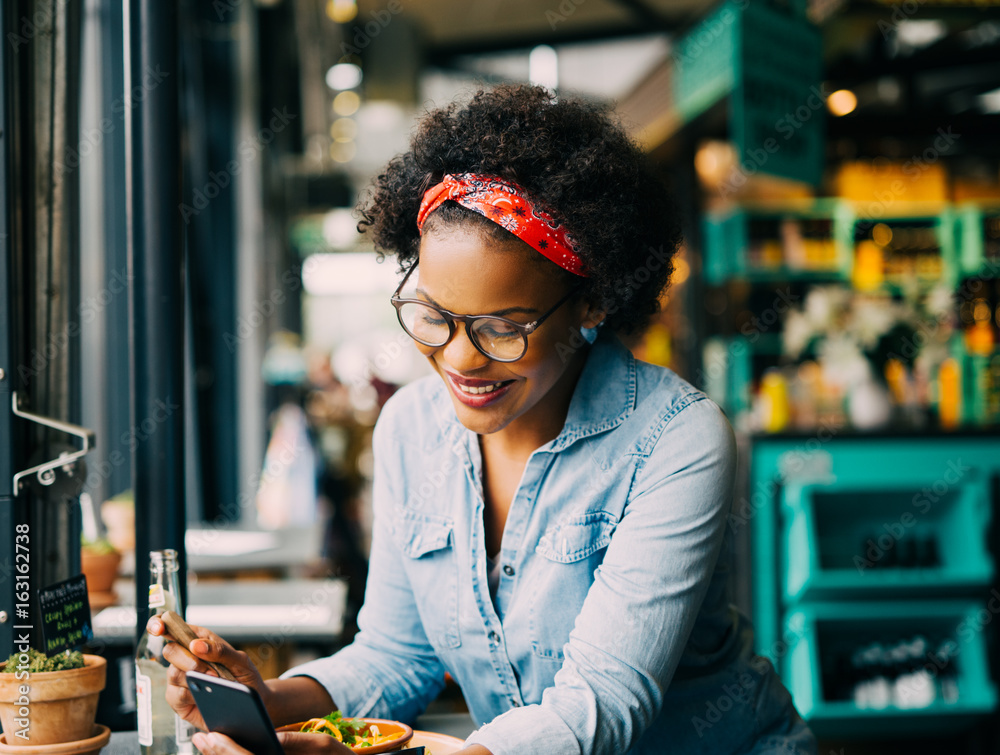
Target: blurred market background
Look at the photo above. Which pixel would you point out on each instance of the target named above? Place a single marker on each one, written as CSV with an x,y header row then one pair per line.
x,y
182,276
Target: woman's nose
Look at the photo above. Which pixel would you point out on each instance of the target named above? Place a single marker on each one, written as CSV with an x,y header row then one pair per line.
x,y
461,354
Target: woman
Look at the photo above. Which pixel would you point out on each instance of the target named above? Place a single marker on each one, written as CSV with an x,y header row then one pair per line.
x,y
550,513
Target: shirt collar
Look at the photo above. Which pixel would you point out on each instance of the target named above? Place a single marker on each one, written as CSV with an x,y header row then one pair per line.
x,y
605,392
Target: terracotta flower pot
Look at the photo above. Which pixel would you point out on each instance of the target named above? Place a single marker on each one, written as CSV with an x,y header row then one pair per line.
x,y
61,705
101,569
91,746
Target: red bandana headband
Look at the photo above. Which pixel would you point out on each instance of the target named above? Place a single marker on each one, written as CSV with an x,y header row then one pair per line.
x,y
507,205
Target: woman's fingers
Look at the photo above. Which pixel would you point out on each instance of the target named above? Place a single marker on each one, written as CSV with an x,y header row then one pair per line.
x,y
297,743
184,660
292,743
208,647
217,744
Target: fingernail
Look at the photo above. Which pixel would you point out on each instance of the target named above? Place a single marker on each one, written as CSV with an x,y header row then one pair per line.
x,y
199,646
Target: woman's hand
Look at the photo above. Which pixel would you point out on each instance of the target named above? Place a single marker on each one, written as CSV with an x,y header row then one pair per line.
x,y
293,743
209,647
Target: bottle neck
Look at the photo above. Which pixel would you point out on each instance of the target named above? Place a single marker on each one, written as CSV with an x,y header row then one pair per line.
x,y
164,589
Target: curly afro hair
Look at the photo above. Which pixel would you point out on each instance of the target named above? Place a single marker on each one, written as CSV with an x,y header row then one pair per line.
x,y
571,156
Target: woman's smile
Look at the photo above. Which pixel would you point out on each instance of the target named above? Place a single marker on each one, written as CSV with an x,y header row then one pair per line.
x,y
477,393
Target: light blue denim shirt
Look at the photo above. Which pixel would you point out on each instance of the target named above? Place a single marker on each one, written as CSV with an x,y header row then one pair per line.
x,y
610,631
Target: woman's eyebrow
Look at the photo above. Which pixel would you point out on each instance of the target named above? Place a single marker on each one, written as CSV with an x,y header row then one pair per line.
x,y
497,313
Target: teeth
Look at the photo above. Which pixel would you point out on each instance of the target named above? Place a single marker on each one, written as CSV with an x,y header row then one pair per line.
x,y
482,389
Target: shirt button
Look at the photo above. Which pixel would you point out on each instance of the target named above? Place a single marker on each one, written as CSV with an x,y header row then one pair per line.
x,y
515,703
508,570
494,638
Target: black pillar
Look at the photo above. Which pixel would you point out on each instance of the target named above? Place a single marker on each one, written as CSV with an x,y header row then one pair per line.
x,y
155,257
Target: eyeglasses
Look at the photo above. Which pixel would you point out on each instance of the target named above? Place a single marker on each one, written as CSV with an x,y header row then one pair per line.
x,y
498,338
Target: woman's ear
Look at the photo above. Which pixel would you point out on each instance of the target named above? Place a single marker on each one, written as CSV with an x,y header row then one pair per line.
x,y
592,316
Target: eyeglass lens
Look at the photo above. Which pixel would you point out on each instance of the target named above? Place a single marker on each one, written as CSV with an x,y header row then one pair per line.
x,y
494,336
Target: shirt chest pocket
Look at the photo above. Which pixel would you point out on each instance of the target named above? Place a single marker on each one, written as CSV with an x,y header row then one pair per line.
x,y
570,552
427,544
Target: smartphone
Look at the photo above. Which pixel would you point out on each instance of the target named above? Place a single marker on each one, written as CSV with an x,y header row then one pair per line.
x,y
235,710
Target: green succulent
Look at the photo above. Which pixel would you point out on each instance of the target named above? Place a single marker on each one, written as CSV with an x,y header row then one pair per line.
x,y
99,547
39,662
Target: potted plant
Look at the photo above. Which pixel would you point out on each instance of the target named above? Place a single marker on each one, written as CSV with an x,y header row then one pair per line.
x,y
99,561
118,515
48,701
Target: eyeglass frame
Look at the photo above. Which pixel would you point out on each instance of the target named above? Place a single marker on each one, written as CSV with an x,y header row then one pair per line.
x,y
525,329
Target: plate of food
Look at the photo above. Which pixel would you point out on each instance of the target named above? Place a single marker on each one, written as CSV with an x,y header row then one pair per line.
x,y
434,743
363,735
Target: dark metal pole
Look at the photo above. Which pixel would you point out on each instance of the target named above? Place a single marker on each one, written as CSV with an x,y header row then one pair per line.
x,y
9,458
157,432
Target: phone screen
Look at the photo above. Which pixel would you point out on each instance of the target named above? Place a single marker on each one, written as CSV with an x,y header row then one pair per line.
x,y
235,710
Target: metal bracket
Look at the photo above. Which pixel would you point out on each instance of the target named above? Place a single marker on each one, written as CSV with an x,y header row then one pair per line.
x,y
46,472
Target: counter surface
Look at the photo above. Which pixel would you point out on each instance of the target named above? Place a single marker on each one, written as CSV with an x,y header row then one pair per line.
x,y
454,724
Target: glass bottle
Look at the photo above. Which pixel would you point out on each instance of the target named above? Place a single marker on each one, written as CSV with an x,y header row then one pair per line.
x,y
161,731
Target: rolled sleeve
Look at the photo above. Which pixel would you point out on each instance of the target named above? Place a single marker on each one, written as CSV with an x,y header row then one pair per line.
x,y
638,614
532,729
390,670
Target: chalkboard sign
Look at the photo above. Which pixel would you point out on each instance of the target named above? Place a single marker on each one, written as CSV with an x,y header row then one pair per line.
x,y
65,615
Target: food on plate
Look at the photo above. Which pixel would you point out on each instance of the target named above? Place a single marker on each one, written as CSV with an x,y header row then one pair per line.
x,y
351,731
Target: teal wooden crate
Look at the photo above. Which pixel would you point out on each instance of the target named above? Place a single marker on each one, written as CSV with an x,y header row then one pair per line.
x,y
850,541
821,631
854,461
728,369
719,245
980,378
730,243
977,238
940,217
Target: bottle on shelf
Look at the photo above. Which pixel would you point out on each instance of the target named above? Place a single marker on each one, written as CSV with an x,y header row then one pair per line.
x,y
161,731
773,401
948,674
949,394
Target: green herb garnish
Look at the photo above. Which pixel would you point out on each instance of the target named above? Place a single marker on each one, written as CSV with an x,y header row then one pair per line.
x,y
349,728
